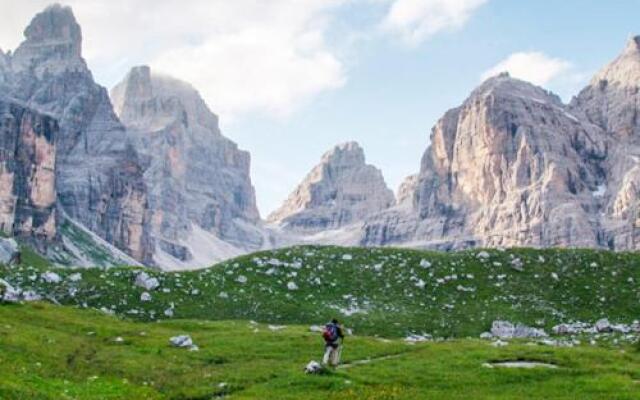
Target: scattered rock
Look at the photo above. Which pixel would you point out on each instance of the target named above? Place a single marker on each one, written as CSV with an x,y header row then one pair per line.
x,y
9,251
182,341
517,264
147,282
9,293
506,329
51,277
486,335
30,295
415,338
565,329
292,286
145,296
75,277
313,367
276,328
603,325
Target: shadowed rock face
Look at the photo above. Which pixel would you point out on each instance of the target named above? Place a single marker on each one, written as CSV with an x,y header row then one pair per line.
x,y
98,175
339,191
27,172
197,178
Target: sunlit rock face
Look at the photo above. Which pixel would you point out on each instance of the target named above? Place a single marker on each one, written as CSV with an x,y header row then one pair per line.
x,y
98,175
341,190
612,102
27,172
199,184
510,167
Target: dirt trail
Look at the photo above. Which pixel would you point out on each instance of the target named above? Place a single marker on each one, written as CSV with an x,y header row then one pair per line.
x,y
368,361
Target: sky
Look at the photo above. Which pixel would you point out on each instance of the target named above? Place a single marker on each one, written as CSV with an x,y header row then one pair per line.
x,y
292,78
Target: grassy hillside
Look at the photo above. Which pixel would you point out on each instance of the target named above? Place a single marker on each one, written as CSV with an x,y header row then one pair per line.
x,y
389,292
52,352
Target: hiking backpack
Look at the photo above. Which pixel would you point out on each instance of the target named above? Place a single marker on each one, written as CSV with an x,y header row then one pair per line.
x,y
330,333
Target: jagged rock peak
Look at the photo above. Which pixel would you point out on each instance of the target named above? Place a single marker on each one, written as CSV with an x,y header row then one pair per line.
x,y
348,153
136,85
625,69
149,100
53,42
55,24
342,189
199,188
633,45
504,85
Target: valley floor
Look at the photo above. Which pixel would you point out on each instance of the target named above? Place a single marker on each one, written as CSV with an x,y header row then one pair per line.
x,y
59,352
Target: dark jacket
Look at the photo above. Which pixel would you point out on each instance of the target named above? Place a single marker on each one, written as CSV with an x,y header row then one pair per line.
x,y
334,344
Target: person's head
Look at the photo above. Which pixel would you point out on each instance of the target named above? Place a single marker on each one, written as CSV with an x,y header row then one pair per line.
x,y
334,321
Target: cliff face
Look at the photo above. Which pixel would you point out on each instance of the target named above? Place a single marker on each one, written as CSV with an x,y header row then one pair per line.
x,y
513,166
612,102
27,172
200,192
510,167
339,191
98,175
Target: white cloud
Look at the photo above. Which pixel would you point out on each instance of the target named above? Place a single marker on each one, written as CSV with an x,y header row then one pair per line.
x,y
416,20
242,55
535,67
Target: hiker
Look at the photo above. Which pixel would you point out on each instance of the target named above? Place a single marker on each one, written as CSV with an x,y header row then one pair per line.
x,y
332,334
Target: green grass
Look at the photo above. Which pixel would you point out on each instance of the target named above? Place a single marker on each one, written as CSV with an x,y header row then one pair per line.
x,y
375,291
52,352
30,257
86,246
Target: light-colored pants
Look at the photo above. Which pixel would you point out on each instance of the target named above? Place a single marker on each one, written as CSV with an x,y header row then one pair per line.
x,y
331,355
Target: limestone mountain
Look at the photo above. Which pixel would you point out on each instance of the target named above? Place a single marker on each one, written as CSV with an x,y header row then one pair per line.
x,y
342,189
27,173
612,102
98,175
200,196
514,166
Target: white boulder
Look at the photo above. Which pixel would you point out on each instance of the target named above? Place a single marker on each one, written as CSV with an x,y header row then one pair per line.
x,y
603,325
506,329
313,367
51,277
181,341
147,282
